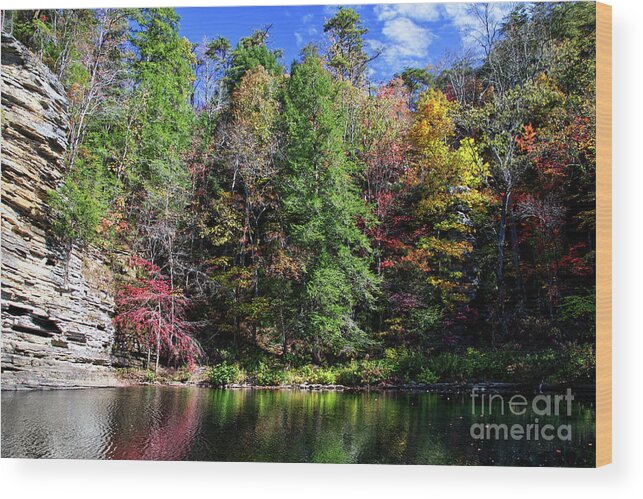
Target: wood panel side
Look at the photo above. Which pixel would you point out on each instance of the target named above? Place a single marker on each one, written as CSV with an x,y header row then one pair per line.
x,y
603,234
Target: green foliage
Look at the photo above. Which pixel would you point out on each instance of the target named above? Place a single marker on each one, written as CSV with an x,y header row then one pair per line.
x,y
81,203
225,374
312,217
449,367
574,363
578,307
579,365
164,75
322,206
426,320
569,364
427,376
350,375
409,365
375,372
417,80
250,53
303,374
266,375
313,375
346,54
324,376
365,373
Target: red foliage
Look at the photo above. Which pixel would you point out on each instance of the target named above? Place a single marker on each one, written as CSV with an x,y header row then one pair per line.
x,y
576,262
403,302
449,93
555,154
153,313
387,165
528,138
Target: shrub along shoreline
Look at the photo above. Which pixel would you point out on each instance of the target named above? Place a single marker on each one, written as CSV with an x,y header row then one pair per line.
x,y
447,371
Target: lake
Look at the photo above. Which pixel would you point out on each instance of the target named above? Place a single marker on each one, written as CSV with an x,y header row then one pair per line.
x,y
189,423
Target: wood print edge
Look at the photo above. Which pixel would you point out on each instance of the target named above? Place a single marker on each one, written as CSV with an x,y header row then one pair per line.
x,y
603,234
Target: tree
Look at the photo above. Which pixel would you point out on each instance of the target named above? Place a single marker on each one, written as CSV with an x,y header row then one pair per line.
x,y
212,65
163,75
322,208
80,205
249,149
515,53
386,121
347,61
99,69
346,55
249,53
87,51
314,216
158,176
453,199
151,313
416,80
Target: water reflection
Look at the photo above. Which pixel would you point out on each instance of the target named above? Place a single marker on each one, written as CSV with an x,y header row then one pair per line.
x,y
165,423
158,424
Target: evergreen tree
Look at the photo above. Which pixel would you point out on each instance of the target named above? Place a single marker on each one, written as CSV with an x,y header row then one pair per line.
x,y
322,210
163,75
346,55
249,53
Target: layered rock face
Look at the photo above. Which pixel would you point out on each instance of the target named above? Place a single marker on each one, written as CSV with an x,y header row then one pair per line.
x,y
56,312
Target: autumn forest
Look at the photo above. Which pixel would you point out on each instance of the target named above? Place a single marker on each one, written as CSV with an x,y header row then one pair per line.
x,y
274,221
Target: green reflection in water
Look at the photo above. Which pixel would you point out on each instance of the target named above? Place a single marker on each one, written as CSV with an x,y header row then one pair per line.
x,y
167,423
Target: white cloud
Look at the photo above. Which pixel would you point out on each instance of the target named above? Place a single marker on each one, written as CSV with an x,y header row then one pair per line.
x,y
330,10
374,45
404,43
421,12
468,19
310,28
410,39
406,37
465,17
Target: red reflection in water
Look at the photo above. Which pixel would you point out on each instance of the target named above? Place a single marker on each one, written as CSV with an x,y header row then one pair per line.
x,y
168,439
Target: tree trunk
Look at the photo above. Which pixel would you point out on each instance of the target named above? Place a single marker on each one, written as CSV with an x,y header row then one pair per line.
x,y
158,341
500,268
515,249
316,351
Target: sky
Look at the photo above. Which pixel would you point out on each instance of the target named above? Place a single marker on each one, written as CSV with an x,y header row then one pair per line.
x,y
414,35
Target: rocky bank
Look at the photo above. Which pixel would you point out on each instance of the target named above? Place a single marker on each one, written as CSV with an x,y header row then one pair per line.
x,y
56,314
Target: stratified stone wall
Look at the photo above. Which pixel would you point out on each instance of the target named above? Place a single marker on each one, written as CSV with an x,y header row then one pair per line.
x,y
56,313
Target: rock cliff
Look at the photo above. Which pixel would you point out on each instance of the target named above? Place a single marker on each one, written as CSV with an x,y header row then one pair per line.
x,y
56,331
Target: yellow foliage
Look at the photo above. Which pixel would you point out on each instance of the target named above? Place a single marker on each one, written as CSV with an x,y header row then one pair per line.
x,y
433,122
230,221
452,180
450,248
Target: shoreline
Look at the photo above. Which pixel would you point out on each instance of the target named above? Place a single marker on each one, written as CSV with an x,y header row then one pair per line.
x,y
131,377
583,390
439,388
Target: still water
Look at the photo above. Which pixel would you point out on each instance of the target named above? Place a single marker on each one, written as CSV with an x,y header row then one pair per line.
x,y
174,423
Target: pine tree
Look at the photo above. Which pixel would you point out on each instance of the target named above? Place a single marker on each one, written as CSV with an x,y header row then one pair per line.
x,y
322,209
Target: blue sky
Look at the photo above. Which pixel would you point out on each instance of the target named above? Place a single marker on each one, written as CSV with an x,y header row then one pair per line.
x,y
408,34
